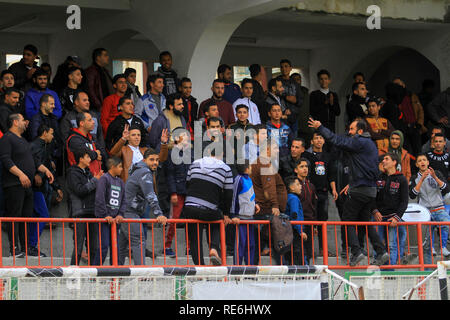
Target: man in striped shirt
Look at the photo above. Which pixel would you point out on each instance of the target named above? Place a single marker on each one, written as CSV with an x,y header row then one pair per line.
x,y
208,197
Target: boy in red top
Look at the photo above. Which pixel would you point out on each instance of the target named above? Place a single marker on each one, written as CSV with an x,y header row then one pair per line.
x,y
110,104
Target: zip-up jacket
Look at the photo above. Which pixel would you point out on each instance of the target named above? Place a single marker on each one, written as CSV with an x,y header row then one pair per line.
x,y
430,195
139,191
147,109
282,135
308,198
243,204
160,123
392,196
294,210
81,185
78,141
253,112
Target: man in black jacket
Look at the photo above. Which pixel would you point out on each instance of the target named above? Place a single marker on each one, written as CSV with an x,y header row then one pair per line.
x,y
66,96
24,69
258,95
42,190
19,168
324,103
190,110
81,186
126,118
356,106
46,116
289,163
8,107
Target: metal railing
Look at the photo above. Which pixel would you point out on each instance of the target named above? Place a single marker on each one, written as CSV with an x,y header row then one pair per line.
x,y
334,239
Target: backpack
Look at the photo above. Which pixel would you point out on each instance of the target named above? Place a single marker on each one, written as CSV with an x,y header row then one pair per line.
x,y
282,235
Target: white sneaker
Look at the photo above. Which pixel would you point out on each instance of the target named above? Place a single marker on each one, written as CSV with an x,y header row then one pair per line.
x,y
434,252
445,252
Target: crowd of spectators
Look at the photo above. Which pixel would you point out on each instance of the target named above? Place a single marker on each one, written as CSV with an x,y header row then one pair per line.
x,y
113,148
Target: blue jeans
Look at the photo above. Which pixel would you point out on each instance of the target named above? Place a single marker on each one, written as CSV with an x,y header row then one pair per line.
x,y
393,247
40,211
439,216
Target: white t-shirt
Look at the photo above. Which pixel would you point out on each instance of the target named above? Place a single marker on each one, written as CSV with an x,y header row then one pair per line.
x,y
137,155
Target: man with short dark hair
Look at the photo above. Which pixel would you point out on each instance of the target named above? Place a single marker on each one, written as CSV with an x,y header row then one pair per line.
x,y
429,145
110,106
45,116
151,104
8,107
100,84
232,92
18,176
33,96
81,104
139,193
258,95
75,77
291,96
439,159
80,138
24,69
324,103
362,189
304,131
190,110
8,82
289,162
278,130
380,128
274,96
125,120
225,107
132,88
171,81
247,91
356,106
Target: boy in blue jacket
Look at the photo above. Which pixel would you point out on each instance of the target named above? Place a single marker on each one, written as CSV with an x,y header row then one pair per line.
x,y
294,210
244,207
109,204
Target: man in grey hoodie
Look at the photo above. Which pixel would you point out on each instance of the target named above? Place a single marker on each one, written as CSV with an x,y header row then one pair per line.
x,y
139,192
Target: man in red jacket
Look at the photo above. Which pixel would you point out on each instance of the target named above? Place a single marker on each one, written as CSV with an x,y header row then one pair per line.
x,y
110,106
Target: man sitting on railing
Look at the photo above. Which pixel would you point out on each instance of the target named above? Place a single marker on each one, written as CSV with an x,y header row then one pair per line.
x,y
391,203
430,186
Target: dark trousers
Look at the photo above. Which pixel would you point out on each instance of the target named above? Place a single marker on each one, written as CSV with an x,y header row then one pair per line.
x,y
102,249
18,203
322,212
357,208
412,140
308,244
294,256
196,238
82,234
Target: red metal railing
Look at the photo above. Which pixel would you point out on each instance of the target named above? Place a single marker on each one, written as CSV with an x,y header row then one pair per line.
x,y
306,248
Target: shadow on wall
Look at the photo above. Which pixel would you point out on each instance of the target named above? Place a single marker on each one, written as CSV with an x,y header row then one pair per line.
x,y
408,64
